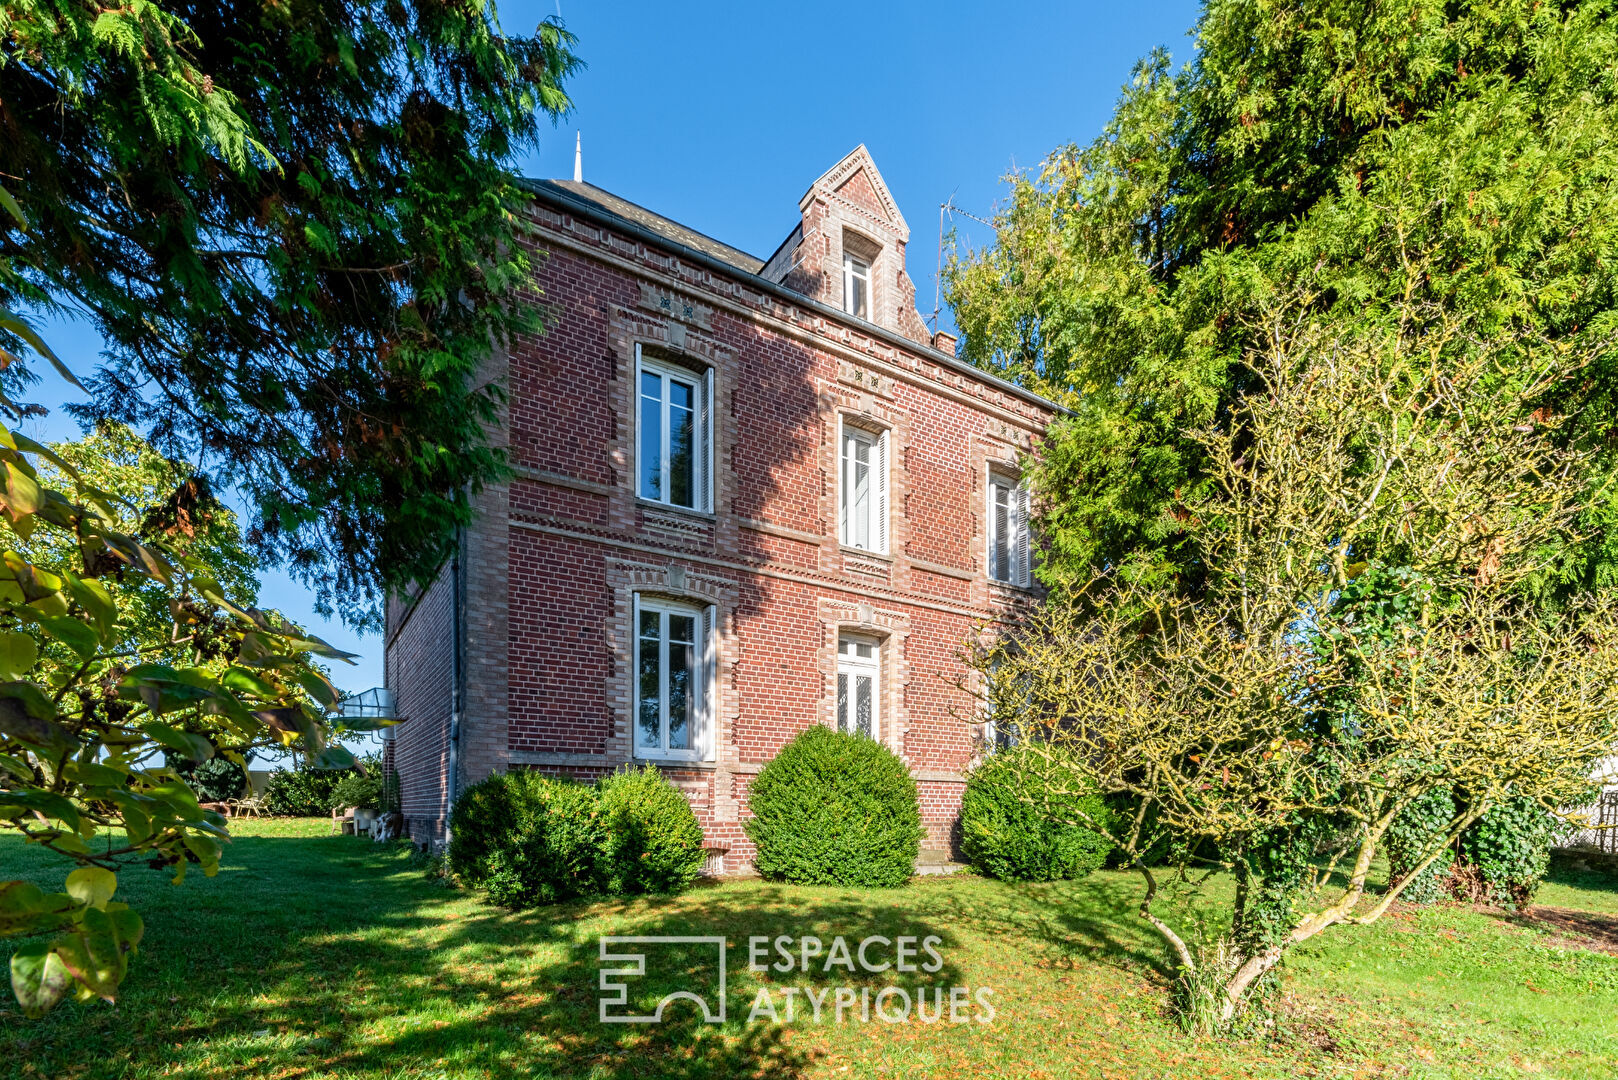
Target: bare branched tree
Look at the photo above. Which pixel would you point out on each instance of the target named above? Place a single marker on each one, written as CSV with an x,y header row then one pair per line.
x,y
1281,690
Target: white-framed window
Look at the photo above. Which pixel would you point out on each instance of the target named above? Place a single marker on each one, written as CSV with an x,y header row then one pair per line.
x,y
856,286
859,681
673,434
995,736
1002,735
1008,554
674,679
862,488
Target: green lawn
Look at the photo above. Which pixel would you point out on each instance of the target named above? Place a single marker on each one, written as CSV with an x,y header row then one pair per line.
x,y
318,956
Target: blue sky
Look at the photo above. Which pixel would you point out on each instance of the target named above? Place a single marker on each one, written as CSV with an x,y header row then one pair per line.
x,y
720,115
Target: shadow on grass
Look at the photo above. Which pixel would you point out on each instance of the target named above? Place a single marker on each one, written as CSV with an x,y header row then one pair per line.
x,y
1090,920
1586,879
320,955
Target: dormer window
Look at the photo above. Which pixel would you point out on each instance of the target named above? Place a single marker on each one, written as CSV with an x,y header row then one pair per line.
x,y
856,286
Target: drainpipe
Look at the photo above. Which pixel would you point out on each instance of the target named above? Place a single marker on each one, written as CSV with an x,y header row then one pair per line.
x,y
456,683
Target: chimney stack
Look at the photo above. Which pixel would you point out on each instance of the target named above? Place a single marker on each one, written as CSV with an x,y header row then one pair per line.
x,y
944,343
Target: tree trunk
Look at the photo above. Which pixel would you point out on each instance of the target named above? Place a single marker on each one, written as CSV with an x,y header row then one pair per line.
x,y
1175,942
1236,987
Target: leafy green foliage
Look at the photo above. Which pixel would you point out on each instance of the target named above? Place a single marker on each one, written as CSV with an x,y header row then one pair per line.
x,y
528,839
362,791
294,227
101,695
1410,841
303,792
835,809
1500,858
1374,158
653,841
216,780
152,496
1284,714
1505,853
1023,820
1331,198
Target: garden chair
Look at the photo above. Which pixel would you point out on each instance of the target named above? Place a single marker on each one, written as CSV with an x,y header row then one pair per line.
x,y
249,806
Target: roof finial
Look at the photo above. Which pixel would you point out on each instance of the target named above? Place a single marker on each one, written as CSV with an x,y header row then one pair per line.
x,y
578,158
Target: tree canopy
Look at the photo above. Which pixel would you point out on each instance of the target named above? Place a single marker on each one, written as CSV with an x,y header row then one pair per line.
x,y
1361,640
130,653
1333,527
147,495
1390,160
293,225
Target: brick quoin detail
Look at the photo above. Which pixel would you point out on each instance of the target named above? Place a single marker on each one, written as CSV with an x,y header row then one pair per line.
x,y
551,566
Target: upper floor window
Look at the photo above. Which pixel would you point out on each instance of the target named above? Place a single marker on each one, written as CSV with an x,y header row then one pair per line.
x,y
862,486
673,679
673,444
858,677
856,286
1008,555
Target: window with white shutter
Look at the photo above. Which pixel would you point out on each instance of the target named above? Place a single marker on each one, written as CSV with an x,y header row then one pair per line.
x,y
673,434
862,486
1009,551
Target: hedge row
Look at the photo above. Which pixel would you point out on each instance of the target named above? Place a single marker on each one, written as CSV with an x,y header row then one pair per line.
x,y
830,809
306,792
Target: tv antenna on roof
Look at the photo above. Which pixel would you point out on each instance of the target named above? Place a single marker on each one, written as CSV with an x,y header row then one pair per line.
x,y
947,207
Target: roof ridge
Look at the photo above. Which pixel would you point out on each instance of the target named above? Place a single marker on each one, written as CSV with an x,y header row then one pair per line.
x,y
647,218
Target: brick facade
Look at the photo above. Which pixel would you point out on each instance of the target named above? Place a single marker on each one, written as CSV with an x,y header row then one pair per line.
x,y
550,572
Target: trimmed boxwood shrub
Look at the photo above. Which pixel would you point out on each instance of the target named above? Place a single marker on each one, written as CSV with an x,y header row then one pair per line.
x,y
1018,820
835,809
529,839
653,841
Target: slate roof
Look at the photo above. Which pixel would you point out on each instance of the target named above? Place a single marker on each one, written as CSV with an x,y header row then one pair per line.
x,y
606,202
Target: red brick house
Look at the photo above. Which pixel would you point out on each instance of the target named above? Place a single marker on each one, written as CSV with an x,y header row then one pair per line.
x,y
749,496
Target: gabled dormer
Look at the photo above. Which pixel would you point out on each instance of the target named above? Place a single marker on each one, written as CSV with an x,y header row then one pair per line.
x,y
848,250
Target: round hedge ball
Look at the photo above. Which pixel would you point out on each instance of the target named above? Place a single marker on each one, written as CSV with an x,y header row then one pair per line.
x,y
653,841
835,809
1023,818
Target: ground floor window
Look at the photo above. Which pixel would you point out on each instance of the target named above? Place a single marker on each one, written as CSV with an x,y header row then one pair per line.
x,y
673,649
858,680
